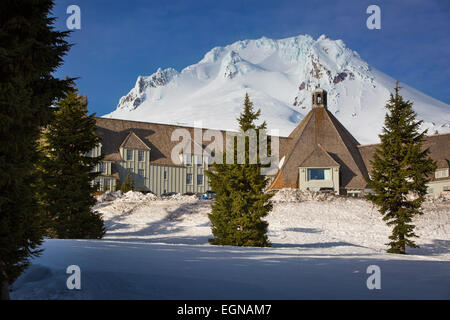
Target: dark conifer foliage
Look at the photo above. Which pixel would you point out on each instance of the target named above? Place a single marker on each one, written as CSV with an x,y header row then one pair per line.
x,y
400,169
68,171
240,203
30,51
127,185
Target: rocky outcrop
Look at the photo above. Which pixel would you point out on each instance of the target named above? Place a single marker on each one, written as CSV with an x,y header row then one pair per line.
x,y
138,94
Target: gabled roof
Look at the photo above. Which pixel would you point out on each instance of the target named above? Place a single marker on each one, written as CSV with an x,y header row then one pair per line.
x,y
132,141
437,144
113,157
442,164
319,158
320,127
157,136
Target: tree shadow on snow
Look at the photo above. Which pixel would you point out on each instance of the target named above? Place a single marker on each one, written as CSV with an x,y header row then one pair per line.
x,y
303,230
162,228
436,248
314,245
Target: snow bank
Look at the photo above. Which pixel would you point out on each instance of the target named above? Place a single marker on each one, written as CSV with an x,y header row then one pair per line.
x,y
135,196
182,198
439,198
109,196
294,195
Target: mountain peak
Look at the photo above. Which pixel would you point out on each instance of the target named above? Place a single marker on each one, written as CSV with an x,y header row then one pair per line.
x,y
279,76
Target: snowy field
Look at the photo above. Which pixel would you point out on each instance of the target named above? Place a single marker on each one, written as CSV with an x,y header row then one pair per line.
x,y
158,249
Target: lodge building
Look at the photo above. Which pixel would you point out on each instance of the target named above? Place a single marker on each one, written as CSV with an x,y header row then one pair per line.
x,y
319,154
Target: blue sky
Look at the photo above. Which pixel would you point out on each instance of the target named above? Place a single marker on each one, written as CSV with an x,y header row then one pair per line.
x,y
120,40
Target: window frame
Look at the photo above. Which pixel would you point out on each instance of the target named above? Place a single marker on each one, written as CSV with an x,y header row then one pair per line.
x,y
141,153
198,159
309,175
201,181
189,182
441,173
187,158
129,154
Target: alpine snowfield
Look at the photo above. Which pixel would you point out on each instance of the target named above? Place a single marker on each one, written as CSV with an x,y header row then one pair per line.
x,y
279,76
322,246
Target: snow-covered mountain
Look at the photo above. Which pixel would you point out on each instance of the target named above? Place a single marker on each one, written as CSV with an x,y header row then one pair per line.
x,y
279,76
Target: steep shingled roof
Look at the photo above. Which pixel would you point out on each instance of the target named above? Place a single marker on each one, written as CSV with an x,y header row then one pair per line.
x,y
321,127
132,141
155,136
319,158
439,146
318,127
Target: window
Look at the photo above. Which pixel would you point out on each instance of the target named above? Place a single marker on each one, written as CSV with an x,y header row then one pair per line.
x,y
107,185
441,173
199,179
165,175
129,155
141,172
198,161
140,155
319,174
187,159
101,167
188,178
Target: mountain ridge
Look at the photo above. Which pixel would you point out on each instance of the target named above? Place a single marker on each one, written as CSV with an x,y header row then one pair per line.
x,y
279,76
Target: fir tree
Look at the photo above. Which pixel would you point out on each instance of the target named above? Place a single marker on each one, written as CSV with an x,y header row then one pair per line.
x,y
68,171
400,168
30,52
127,185
240,202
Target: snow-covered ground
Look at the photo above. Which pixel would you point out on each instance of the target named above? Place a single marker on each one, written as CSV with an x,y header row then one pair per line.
x,y
322,247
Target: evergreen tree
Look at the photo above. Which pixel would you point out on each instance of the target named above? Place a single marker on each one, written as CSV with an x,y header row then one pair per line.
x,y
240,202
69,172
30,52
127,185
400,168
